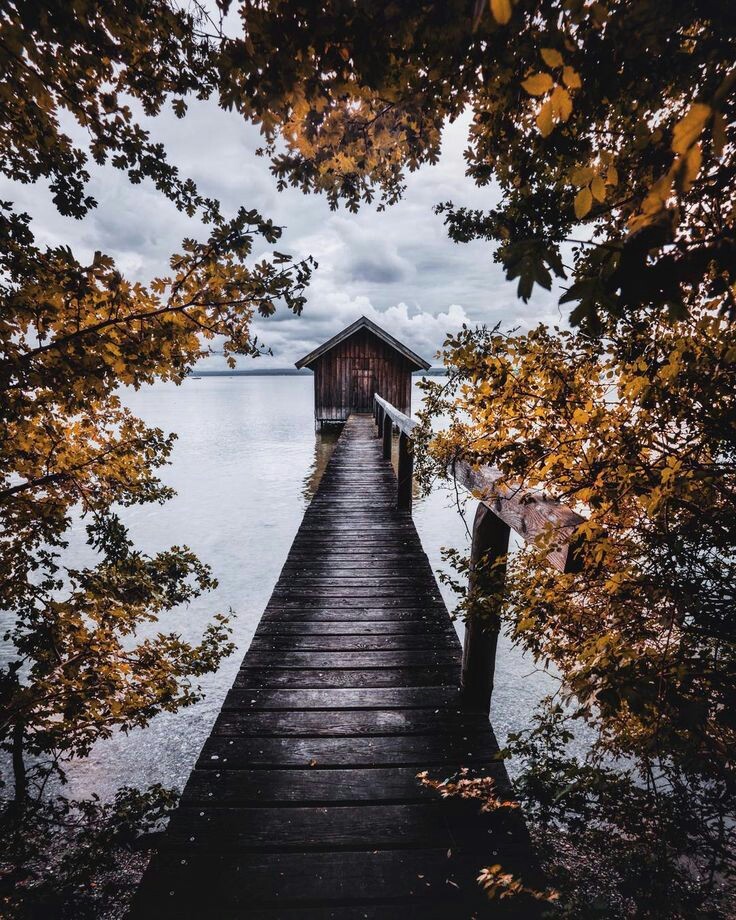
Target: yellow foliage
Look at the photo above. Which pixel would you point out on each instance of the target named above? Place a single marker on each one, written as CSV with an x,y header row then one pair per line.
x,y
538,84
598,188
545,119
551,57
561,103
571,78
501,10
582,176
583,202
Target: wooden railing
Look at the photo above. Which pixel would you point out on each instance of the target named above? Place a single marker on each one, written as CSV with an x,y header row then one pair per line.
x,y
386,417
500,510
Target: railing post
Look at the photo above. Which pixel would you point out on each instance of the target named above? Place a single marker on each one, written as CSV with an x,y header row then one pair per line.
x,y
379,420
490,540
405,473
387,432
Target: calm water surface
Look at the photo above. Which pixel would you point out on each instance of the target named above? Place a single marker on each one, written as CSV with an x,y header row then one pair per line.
x,y
244,467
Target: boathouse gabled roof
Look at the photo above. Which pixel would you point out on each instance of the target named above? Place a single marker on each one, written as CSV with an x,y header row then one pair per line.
x,y
364,323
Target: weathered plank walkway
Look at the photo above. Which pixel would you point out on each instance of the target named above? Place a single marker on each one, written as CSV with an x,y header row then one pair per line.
x,y
304,802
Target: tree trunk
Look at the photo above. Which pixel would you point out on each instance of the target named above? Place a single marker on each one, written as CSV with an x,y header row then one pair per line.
x,y
19,766
490,542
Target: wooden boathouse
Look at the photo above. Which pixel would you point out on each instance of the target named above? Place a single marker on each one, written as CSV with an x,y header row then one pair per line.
x,y
354,365
305,803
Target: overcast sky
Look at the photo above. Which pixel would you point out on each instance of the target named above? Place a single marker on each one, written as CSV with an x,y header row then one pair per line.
x,y
397,267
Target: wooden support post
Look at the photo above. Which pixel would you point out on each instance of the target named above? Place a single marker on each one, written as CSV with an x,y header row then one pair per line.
x,y
405,473
490,540
387,430
379,420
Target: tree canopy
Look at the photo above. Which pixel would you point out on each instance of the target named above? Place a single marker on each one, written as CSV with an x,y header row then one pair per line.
x,y
615,116
72,333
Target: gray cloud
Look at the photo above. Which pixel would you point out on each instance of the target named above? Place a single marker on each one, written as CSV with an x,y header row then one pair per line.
x,y
398,266
376,271
374,262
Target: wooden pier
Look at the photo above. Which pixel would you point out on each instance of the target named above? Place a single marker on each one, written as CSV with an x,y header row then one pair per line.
x,y
304,802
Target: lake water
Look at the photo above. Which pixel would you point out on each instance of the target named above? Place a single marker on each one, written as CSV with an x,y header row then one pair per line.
x,y
244,467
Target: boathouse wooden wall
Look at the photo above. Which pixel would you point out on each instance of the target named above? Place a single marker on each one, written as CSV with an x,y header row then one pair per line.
x,y
349,374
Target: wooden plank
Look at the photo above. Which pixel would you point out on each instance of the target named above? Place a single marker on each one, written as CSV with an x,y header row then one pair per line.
x,y
344,698
362,575
314,786
304,876
370,751
348,723
388,608
350,559
312,679
418,908
359,583
419,628
343,642
402,421
428,824
408,658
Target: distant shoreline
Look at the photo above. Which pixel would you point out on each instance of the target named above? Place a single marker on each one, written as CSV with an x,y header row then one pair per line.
x,y
293,372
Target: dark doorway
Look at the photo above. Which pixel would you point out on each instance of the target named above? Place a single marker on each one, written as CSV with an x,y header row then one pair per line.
x,y
363,389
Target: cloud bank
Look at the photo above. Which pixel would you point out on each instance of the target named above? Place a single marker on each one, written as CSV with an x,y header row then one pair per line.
x,y
398,267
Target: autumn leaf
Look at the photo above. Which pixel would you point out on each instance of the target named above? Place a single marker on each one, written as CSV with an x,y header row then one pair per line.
x,y
654,204
501,10
582,175
551,57
538,84
571,78
583,202
561,103
544,119
598,188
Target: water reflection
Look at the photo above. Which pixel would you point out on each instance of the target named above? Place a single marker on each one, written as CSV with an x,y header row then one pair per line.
x,y
324,443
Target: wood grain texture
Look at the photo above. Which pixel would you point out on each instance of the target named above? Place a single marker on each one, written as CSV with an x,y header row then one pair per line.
x,y
304,802
530,514
351,785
